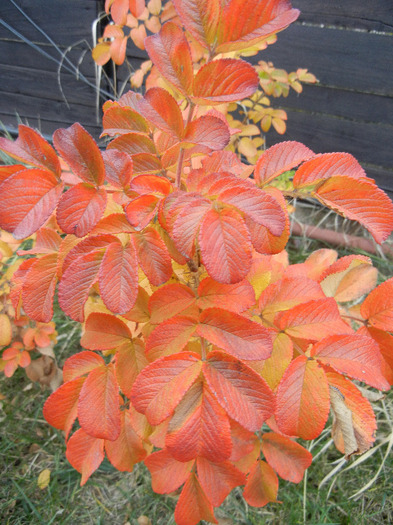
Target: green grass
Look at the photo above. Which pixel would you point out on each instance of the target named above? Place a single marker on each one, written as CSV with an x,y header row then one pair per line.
x,y
28,445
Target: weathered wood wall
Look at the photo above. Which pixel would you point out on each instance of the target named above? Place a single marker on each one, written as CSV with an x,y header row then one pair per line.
x,y
347,45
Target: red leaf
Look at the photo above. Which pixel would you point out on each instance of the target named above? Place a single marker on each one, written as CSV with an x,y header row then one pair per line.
x,y
278,159
170,53
260,206
118,277
262,485
160,108
82,247
81,152
200,18
141,211
76,282
303,390
288,458
119,120
359,200
224,80
153,256
199,427
60,409
85,453
80,208
80,364
32,149
193,504
377,308
217,480
385,344
46,241
327,165
208,131
170,336
28,198
118,167
160,386
39,288
170,300
313,320
7,171
187,223
132,144
240,32
242,393
128,448
104,332
233,297
225,246
98,407
353,355
235,334
167,474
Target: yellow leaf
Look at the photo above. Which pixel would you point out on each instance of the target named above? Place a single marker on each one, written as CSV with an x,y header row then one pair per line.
x,y
5,330
279,125
247,147
249,130
154,6
43,479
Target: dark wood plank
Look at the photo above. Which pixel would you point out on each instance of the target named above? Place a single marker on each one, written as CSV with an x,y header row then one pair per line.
x,y
369,143
376,15
65,21
345,59
361,107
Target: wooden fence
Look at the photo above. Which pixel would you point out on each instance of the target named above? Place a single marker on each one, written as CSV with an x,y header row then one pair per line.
x,y
347,45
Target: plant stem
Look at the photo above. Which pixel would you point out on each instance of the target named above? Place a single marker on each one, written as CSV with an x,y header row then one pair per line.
x,y
181,155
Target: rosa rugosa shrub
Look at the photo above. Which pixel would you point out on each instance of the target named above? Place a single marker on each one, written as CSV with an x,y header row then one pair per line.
x,y
205,353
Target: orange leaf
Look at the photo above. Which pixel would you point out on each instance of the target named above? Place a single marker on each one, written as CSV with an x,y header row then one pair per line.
x,y
119,120
275,366
130,361
233,297
225,246
193,504
363,419
200,18
288,458
278,159
217,480
160,386
118,167
128,448
80,151
353,355
85,453
208,131
235,334
80,364
170,336
118,277
187,223
224,80
361,201
80,208
167,474
303,390
199,427
31,148
39,288
313,320
169,301
60,409
377,308
326,165
104,332
242,393
262,485
28,198
160,108
132,144
153,256
170,53
98,407
76,282
385,344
